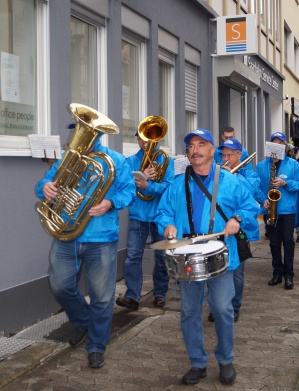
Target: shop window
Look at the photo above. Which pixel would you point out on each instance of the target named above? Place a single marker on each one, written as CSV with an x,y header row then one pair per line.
x,y
133,86
23,73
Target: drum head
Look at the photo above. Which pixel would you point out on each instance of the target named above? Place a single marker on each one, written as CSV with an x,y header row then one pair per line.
x,y
198,248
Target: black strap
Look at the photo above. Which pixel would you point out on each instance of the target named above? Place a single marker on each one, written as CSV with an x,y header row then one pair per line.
x,y
189,201
214,195
207,194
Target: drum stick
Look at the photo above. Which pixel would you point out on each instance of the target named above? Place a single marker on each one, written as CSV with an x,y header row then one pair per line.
x,y
205,237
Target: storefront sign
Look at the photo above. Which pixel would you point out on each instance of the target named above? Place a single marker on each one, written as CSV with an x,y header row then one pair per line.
x,y
266,76
237,35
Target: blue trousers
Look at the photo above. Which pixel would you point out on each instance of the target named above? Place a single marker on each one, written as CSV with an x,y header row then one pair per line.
x,y
67,259
133,273
239,286
220,293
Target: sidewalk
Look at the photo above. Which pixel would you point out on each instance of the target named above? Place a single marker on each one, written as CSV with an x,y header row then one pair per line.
x,y
151,356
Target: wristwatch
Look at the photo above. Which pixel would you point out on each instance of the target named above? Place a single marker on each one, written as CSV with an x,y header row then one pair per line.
x,y
112,205
238,218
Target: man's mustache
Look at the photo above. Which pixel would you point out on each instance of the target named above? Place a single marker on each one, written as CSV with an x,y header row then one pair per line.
x,y
196,154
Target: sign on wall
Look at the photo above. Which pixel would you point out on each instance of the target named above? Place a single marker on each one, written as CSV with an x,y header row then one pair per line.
x,y
237,35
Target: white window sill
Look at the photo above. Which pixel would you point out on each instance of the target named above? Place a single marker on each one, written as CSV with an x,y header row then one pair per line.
x,y
15,152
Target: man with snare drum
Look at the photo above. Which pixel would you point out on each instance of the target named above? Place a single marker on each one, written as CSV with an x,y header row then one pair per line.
x,y
172,219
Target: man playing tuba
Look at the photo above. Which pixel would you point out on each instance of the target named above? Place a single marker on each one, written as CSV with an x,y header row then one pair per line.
x,y
95,248
281,177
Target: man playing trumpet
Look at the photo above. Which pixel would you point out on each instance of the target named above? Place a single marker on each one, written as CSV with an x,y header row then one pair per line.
x,y
231,151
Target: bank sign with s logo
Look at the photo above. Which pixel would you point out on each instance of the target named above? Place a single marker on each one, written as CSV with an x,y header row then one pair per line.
x,y
237,35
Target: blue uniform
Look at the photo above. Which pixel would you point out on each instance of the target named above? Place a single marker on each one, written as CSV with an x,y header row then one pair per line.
x,y
96,249
282,232
104,228
141,225
289,172
144,210
233,197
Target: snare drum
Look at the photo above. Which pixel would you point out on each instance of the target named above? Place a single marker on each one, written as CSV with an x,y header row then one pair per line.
x,y
197,262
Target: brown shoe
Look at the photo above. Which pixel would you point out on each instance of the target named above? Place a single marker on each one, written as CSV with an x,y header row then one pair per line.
x,y
127,302
159,301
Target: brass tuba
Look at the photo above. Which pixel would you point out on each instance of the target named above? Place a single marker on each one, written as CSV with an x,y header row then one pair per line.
x,y
153,129
80,178
274,196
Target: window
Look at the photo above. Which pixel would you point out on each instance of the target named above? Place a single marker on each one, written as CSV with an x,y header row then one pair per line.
x,y
277,25
263,12
190,96
166,92
253,7
296,58
288,47
84,63
270,16
133,71
24,73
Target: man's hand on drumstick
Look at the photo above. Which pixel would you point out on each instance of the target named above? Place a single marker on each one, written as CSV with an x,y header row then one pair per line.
x,y
170,232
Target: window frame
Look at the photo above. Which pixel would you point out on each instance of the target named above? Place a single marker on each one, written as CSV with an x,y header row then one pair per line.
x,y
19,145
139,42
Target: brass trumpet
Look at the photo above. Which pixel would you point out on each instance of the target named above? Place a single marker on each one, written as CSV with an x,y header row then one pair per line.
x,y
242,164
153,129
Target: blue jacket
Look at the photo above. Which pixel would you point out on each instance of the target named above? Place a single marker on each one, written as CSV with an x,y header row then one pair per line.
x,y
289,172
252,181
218,157
146,210
104,228
233,197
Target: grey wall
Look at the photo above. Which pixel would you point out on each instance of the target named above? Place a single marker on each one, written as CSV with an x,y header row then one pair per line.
x,y
25,296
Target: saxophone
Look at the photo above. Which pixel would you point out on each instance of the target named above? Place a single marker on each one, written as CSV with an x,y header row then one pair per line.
x,y
274,196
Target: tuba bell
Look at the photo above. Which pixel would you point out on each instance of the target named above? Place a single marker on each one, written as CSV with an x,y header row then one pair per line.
x,y
80,178
153,129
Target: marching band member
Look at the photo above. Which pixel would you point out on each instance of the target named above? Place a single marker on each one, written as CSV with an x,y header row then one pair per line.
x,y
172,219
96,249
229,132
231,156
286,179
141,225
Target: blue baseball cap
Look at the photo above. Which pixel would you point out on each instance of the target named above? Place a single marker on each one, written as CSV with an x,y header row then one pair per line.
x,y
202,133
279,135
231,143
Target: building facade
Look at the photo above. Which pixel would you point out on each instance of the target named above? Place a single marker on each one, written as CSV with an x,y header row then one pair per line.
x,y
248,89
126,59
290,60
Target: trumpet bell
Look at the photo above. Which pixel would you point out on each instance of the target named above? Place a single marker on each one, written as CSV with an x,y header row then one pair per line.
x,y
152,128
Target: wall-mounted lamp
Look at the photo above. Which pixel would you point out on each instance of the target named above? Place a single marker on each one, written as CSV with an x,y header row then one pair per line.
x,y
286,97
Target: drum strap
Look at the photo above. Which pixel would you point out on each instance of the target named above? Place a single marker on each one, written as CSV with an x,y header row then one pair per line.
x,y
212,198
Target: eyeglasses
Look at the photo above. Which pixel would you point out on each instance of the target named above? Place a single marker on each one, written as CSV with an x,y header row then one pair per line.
x,y
229,155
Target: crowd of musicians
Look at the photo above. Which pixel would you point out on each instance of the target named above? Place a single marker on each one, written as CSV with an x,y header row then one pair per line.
x,y
220,194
